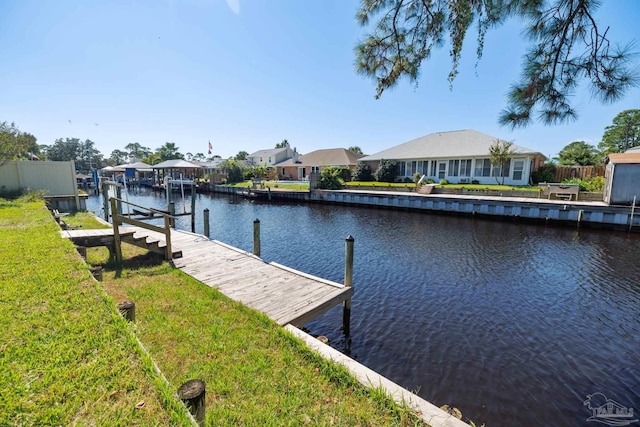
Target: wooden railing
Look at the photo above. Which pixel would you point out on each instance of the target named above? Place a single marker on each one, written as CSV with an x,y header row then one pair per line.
x,y
118,218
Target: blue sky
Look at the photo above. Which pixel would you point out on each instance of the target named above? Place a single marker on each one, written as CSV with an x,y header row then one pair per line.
x,y
246,74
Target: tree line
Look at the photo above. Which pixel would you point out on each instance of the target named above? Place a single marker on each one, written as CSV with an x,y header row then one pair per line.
x,y
621,135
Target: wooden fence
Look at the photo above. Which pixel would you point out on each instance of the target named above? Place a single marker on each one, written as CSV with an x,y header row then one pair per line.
x,y
582,172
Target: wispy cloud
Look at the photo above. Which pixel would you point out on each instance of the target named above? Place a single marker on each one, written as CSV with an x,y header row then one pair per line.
x,y
234,5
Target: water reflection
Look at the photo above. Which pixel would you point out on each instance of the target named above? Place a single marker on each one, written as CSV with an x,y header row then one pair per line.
x,y
512,323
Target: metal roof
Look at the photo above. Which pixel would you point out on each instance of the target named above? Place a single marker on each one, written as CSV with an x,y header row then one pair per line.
x,y
176,164
628,157
451,144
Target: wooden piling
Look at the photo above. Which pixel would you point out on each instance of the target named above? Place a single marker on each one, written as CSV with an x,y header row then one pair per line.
x,y
348,282
172,212
580,214
205,217
192,393
128,310
117,246
105,200
256,237
119,197
193,207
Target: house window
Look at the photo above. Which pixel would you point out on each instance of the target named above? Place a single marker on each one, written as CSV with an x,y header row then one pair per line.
x,y
442,169
402,167
433,168
453,167
315,168
420,167
497,170
411,168
269,159
465,167
518,167
260,159
483,167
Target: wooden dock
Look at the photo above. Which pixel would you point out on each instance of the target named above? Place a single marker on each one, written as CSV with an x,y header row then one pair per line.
x,y
285,295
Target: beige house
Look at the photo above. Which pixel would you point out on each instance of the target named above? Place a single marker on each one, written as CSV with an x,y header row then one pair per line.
x,y
271,157
459,157
300,166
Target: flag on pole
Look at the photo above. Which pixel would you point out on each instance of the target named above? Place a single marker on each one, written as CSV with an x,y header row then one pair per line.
x,y
210,147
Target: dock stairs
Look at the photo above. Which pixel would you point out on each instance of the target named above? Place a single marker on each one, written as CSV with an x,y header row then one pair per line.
x,y
146,239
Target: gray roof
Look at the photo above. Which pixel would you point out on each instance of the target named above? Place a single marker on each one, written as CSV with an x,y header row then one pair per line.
x,y
325,157
176,164
267,152
446,145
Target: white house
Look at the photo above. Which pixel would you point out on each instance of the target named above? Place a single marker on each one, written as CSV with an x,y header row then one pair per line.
x,y
459,157
269,158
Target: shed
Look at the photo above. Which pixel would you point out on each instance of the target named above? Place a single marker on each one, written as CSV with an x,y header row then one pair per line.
x,y
622,178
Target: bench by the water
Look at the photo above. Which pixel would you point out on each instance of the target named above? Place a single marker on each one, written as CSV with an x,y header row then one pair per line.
x,y
560,190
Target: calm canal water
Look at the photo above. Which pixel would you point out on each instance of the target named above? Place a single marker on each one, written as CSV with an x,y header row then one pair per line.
x,y
514,324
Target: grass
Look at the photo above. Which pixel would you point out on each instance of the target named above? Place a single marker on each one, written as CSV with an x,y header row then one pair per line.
x,y
467,186
491,187
66,356
70,359
282,185
256,373
379,184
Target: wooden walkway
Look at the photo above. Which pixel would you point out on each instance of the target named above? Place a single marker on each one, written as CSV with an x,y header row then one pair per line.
x,y
283,294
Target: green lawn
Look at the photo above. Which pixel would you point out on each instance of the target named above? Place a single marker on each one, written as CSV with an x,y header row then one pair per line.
x,y
282,185
68,357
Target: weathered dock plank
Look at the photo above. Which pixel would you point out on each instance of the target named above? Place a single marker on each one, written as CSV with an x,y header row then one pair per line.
x,y
283,294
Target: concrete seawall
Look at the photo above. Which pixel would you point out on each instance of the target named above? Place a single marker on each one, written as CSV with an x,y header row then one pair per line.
x,y
591,214
595,214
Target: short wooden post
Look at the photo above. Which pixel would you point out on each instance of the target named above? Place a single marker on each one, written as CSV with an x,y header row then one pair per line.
x,y
192,393
348,282
96,271
205,218
128,310
256,237
116,231
172,212
167,238
82,250
269,193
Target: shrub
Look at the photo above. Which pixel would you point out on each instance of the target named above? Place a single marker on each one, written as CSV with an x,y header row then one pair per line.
x,y
546,173
345,174
362,172
443,182
408,180
430,181
595,184
330,178
578,181
386,171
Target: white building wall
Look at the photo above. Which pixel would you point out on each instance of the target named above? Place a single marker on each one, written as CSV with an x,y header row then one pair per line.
x,y
55,178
